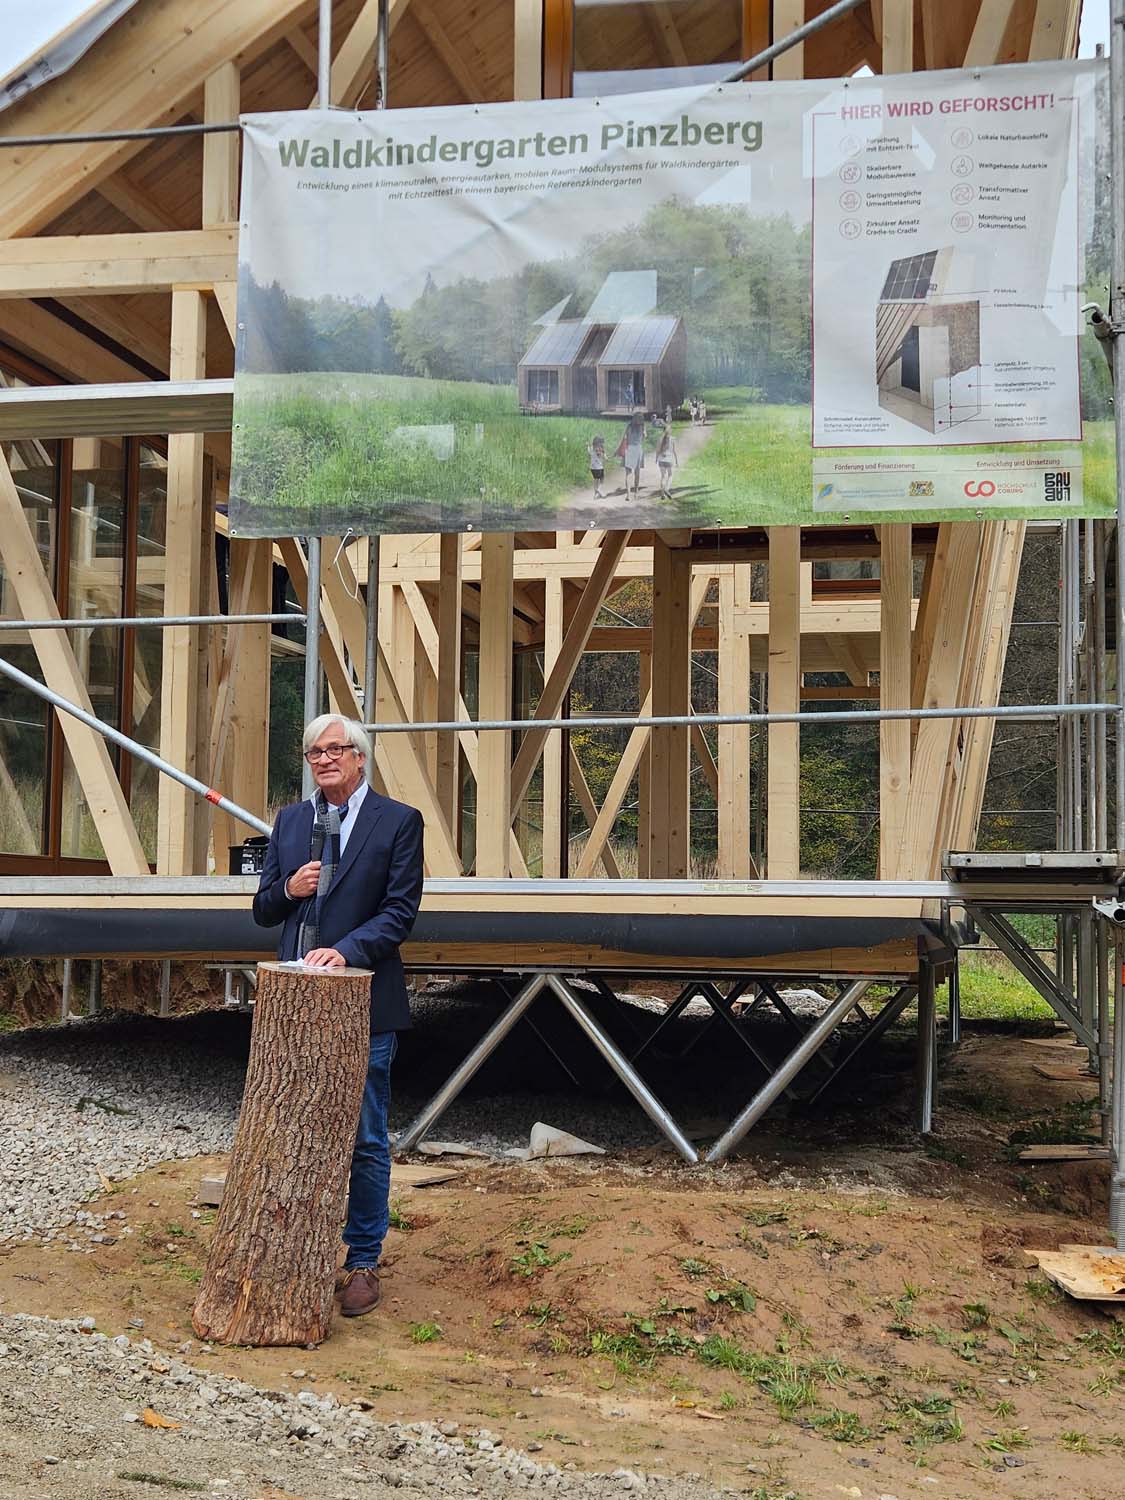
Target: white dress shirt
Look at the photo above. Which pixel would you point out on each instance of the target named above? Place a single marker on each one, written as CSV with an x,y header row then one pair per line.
x,y
347,823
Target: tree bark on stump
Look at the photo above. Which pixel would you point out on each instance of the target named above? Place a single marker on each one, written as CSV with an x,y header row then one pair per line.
x,y
271,1271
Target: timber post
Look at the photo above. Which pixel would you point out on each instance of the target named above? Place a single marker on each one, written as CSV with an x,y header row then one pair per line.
x,y
272,1265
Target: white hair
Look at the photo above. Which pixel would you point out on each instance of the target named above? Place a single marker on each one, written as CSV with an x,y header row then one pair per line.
x,y
354,734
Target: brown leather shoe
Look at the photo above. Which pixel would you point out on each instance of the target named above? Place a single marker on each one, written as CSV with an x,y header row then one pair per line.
x,y
360,1293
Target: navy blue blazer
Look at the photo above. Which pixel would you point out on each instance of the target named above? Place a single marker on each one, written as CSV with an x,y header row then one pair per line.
x,y
370,907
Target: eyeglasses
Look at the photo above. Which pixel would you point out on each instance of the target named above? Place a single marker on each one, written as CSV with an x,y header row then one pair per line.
x,y
333,752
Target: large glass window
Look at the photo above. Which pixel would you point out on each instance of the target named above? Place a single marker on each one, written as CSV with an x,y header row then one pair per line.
x,y
95,588
147,646
25,729
96,510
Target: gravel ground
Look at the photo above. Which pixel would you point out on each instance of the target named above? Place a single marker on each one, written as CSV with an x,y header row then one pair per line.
x,y
108,1099
73,1407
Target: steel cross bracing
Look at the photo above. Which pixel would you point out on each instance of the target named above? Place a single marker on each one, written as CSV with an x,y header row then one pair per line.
x,y
781,1073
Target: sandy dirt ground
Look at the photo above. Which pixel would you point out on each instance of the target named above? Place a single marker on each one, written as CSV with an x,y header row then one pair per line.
x,y
827,1315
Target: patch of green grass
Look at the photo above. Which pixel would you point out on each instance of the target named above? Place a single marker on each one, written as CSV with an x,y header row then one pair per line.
x,y
991,990
1077,1442
425,1333
1039,1289
1002,1409
313,443
8,1022
763,1216
728,1401
1007,1440
840,1426
542,1312
1107,1384
628,1351
1072,1121
1108,1342
536,1257
398,1219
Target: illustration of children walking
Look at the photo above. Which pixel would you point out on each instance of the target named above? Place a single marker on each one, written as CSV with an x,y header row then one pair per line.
x,y
596,451
666,458
631,451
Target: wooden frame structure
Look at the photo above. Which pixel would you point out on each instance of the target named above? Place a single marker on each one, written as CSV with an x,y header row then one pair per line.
x,y
118,266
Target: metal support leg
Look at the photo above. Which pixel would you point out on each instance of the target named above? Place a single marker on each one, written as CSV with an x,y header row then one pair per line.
x,y
927,1050
772,1089
1105,1030
67,982
1117,1144
1087,983
955,1001
166,987
620,1065
1052,987
94,999
461,1074
880,1025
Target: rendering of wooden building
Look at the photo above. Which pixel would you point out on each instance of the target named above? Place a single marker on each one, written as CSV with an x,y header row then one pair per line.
x,y
927,344
614,369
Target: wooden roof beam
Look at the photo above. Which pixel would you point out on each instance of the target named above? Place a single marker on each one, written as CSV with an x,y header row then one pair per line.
x,y
81,264
456,64
144,71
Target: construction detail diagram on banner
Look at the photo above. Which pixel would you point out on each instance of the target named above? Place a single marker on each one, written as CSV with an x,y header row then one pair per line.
x,y
718,305
927,349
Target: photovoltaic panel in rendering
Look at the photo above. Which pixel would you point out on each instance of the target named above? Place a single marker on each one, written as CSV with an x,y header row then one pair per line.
x,y
638,342
910,279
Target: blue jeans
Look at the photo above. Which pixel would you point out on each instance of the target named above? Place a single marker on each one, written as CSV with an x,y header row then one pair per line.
x,y
369,1190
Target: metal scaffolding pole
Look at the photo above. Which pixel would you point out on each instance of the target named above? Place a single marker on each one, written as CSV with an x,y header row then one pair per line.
x,y
1117,1127
1088,686
1117,314
134,747
1101,789
927,1049
129,622
795,37
324,54
312,652
1075,575
1023,713
1105,1032
371,603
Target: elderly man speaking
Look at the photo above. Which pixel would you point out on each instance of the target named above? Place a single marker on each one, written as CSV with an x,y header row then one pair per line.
x,y
343,873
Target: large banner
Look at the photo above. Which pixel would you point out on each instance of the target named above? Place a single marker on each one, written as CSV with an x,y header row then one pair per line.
x,y
743,304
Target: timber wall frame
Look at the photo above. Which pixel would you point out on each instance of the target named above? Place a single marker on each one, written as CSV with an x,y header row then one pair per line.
x,y
118,266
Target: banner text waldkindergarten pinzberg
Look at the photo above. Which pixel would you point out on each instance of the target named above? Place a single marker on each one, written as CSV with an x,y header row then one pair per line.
x,y
364,155
744,304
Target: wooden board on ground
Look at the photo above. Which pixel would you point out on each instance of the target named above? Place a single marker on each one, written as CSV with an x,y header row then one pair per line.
x,y
403,1175
1063,1039
1063,1075
1076,1152
1090,1273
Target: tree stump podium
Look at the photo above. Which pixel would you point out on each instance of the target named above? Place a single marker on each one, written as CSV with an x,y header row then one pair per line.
x,y
272,1268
